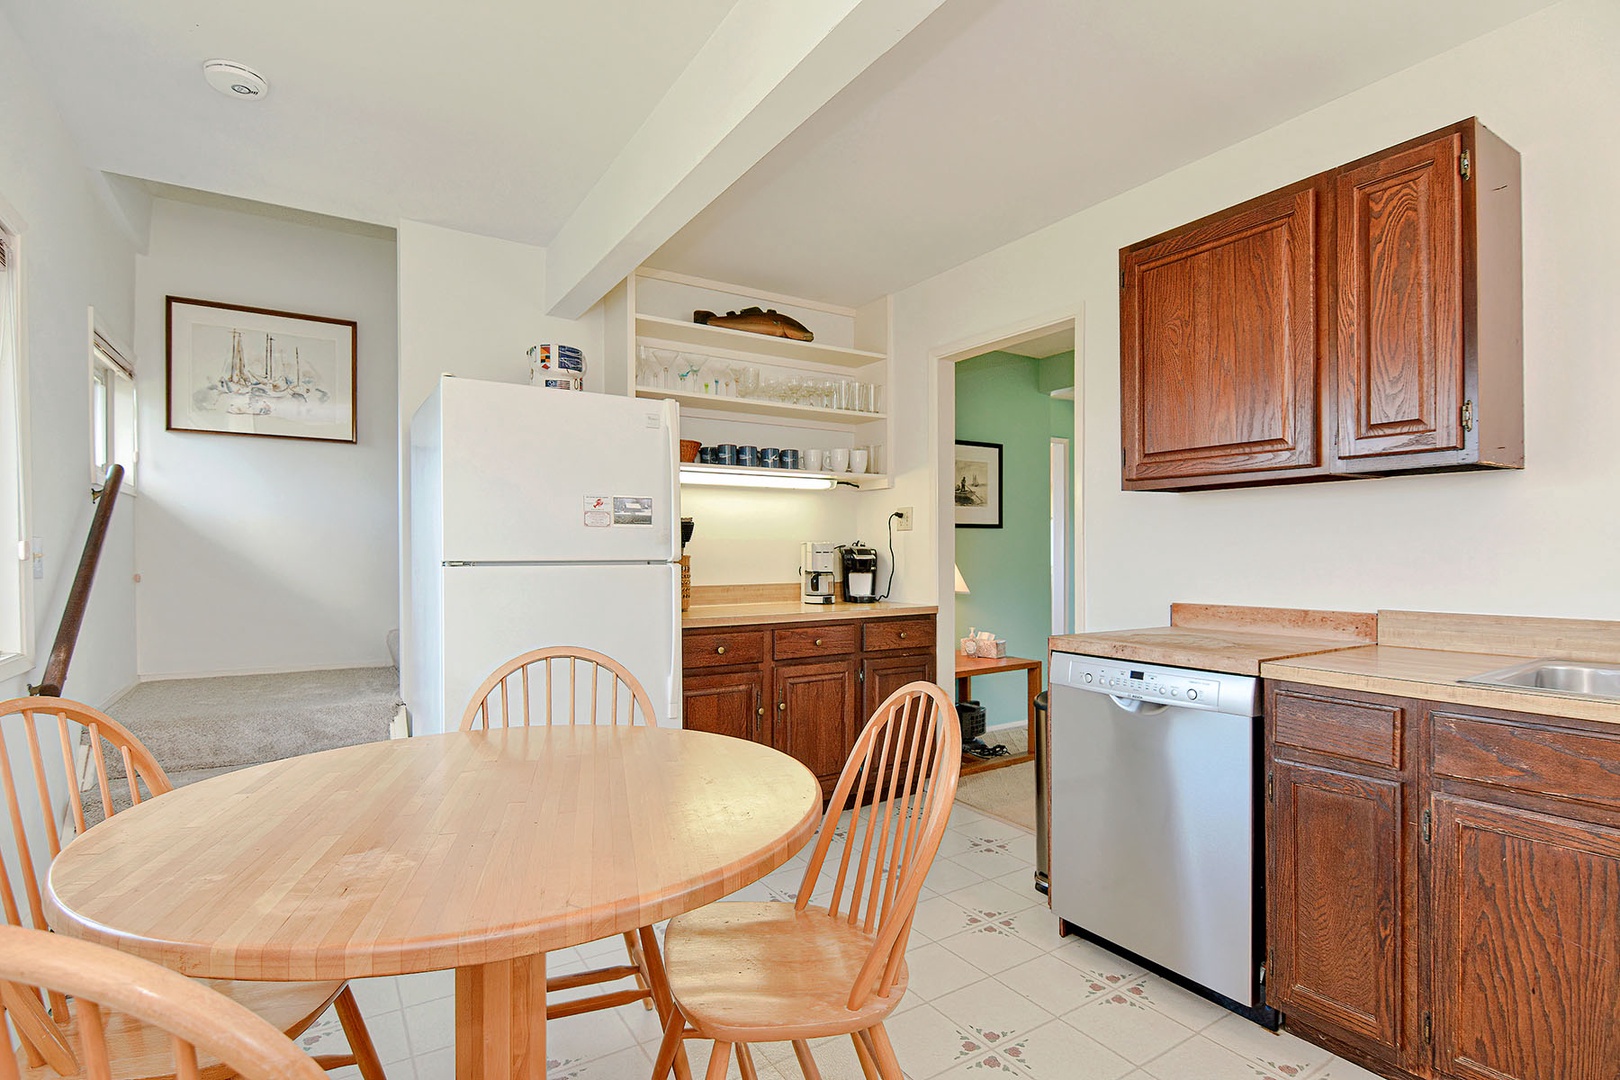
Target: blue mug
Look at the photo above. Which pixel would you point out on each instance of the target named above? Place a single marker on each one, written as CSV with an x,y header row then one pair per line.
x,y
790,459
725,454
706,455
748,456
770,457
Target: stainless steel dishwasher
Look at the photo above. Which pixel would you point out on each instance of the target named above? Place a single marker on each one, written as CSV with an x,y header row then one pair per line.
x,y
1156,846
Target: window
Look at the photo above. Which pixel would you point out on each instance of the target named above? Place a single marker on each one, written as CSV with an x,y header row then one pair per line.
x,y
15,625
112,408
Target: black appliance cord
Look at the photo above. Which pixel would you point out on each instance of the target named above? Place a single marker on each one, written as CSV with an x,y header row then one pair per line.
x,y
890,589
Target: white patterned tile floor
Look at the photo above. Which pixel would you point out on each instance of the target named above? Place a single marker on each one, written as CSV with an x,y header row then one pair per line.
x,y
994,992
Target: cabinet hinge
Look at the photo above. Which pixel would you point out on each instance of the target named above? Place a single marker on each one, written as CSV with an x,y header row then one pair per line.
x,y
861,675
1466,165
1122,279
1271,788
1425,826
1428,1028
1468,415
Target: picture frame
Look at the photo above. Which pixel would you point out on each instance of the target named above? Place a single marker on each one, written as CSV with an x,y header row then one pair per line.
x,y
978,485
231,369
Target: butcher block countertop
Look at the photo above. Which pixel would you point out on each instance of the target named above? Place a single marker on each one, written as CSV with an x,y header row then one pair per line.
x,y
1465,646
755,605
1235,640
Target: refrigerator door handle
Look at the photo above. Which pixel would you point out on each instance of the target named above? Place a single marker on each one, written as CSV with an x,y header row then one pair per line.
x,y
672,426
677,699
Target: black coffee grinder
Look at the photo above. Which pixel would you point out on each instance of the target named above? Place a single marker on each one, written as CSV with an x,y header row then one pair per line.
x,y
860,573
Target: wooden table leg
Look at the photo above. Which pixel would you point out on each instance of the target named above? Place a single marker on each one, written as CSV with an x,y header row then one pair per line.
x,y
964,688
1034,692
501,1020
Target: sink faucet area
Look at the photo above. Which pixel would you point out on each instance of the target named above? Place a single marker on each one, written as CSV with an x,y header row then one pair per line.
x,y
1576,678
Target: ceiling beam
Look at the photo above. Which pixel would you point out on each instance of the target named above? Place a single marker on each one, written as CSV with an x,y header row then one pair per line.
x,y
768,67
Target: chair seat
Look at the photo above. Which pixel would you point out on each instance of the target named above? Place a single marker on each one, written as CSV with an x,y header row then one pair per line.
x,y
765,972
140,1052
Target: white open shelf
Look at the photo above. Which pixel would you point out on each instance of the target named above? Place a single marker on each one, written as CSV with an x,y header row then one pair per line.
x,y
655,330
759,407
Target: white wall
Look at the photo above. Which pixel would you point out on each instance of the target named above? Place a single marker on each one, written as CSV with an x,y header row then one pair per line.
x,y
470,306
1541,541
266,554
75,255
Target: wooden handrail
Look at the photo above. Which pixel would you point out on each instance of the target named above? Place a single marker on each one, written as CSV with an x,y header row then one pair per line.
x,y
67,633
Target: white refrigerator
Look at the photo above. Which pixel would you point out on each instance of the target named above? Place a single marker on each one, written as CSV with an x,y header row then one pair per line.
x,y
539,518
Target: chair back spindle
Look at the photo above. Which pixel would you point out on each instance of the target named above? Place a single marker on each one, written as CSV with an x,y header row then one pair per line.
x,y
898,786
102,981
561,685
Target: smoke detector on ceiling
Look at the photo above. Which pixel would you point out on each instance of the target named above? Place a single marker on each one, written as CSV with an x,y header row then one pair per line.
x,y
234,80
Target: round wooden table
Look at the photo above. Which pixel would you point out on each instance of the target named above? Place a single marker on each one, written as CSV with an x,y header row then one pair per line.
x,y
479,851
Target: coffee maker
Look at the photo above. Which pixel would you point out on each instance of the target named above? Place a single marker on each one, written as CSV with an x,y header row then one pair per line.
x,y
818,566
860,573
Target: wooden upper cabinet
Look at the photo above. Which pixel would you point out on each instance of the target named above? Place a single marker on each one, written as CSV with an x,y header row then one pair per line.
x,y
1367,320
1219,369
1399,299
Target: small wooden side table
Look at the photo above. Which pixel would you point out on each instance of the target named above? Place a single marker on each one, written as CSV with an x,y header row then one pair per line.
x,y
969,666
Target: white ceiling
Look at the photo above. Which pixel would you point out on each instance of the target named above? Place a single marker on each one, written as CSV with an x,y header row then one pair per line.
x,y
992,120
999,117
491,118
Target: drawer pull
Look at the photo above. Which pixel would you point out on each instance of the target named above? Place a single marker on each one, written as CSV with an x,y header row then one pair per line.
x,y
902,635
781,706
818,641
761,710
720,651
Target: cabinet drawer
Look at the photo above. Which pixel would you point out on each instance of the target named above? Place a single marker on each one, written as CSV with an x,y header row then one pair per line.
x,y
882,634
717,648
1572,766
823,640
1359,730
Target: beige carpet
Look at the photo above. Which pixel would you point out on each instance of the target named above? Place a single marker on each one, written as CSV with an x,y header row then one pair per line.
x,y
1009,793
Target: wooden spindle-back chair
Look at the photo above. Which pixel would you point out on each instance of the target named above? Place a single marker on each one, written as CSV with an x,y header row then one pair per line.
x,y
571,685
47,732
114,993
562,685
744,972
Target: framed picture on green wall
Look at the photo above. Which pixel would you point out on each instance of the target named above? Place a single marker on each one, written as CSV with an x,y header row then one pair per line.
x,y
978,485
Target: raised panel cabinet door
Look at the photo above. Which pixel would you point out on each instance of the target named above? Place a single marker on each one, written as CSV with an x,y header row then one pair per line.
x,y
882,677
1527,944
1336,901
731,704
815,715
1399,296
1219,353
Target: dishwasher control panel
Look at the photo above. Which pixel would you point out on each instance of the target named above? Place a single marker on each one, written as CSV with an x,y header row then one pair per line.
x,y
1156,683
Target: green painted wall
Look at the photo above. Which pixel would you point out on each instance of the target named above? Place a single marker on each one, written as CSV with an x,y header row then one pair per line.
x,y
1002,398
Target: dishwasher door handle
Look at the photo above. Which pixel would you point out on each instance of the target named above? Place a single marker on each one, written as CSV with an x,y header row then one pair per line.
x,y
1140,708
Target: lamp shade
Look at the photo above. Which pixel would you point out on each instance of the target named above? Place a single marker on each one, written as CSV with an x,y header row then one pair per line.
x,y
961,586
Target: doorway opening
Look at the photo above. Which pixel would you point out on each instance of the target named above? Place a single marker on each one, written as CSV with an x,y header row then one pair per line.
x,y
1008,518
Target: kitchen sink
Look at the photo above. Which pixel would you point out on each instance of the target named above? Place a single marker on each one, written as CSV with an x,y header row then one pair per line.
x,y
1576,678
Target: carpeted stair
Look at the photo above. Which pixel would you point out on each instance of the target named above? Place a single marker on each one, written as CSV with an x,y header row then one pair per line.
x,y
197,728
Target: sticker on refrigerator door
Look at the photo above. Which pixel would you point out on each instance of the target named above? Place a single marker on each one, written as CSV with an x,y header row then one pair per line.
x,y
628,510
598,512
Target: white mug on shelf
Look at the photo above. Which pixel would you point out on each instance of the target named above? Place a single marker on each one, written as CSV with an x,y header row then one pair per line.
x,y
838,459
815,460
858,459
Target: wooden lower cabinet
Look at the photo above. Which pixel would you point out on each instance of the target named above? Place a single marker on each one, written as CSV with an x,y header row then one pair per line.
x,y
732,703
806,689
815,715
1337,901
1454,913
1527,935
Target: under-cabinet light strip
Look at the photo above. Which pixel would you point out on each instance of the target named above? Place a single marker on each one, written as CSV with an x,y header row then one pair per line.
x,y
719,478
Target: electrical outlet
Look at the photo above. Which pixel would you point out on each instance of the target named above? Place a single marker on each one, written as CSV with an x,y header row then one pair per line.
x,y
902,519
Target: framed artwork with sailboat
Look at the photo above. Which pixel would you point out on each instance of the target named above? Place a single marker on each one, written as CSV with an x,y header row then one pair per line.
x,y
235,370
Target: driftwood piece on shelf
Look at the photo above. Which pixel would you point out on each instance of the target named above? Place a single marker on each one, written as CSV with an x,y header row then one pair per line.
x,y
771,323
